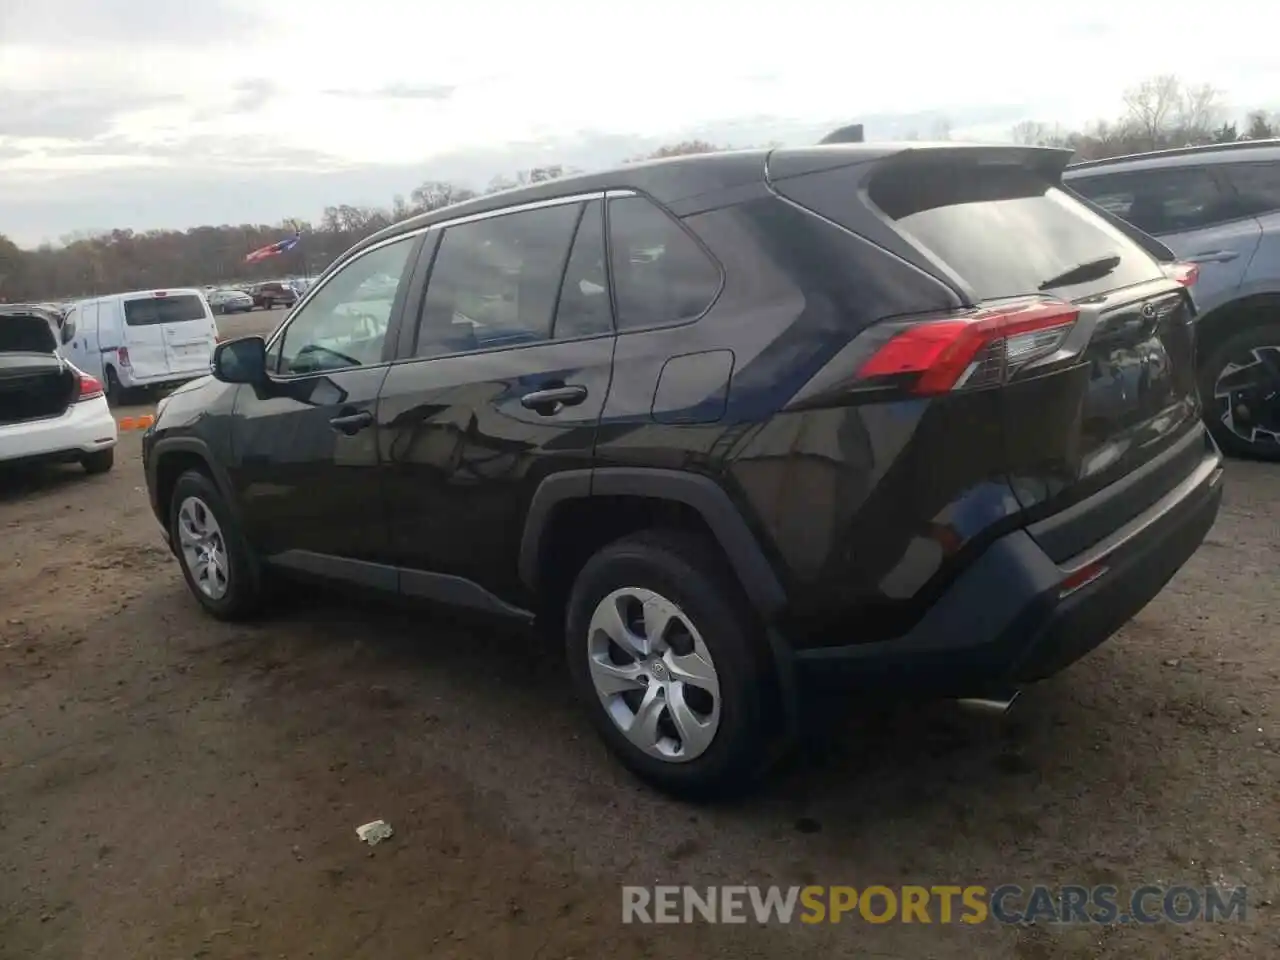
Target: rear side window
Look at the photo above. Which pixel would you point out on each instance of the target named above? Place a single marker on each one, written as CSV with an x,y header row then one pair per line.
x,y
1257,184
660,273
1006,231
1161,201
494,281
153,310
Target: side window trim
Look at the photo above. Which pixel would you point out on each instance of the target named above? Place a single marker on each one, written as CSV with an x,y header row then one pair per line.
x,y
564,270
415,239
608,253
415,294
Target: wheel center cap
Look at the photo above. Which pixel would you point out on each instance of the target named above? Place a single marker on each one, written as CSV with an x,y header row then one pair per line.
x,y
658,669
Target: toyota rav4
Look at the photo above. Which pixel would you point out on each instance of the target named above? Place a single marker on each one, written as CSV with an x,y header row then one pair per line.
x,y
902,416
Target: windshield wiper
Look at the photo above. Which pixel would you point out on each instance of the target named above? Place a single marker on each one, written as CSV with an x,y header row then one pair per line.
x,y
1083,272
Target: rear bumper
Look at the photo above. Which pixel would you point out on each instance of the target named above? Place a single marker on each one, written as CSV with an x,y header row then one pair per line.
x,y
84,428
1009,620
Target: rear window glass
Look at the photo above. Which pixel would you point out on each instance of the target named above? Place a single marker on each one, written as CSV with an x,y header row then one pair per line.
x,y
1006,232
26,335
143,313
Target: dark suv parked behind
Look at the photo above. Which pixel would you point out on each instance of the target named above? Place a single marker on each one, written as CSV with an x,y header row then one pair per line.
x,y
902,416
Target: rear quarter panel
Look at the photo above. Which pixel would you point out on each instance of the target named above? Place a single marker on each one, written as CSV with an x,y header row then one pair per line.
x,y
860,507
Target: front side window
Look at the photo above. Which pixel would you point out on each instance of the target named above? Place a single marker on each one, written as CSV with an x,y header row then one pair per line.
x,y
494,281
345,324
660,273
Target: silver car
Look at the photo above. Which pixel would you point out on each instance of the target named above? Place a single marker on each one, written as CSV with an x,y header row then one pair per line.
x,y
230,301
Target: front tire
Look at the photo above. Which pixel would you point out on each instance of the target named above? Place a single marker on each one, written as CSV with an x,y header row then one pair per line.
x,y
1240,387
666,658
216,562
100,461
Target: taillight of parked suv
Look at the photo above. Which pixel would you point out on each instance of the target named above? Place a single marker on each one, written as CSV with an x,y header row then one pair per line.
x,y
970,349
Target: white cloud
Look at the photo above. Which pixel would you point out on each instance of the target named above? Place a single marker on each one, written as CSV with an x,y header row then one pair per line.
x,y
442,78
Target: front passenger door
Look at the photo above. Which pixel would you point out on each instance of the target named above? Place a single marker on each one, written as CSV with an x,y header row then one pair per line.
x,y
304,447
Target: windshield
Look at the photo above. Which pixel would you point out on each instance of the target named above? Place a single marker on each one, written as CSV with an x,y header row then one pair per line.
x,y
153,310
1009,231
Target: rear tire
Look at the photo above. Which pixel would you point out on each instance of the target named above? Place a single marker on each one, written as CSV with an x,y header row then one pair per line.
x,y
113,388
217,564
703,739
100,461
1233,433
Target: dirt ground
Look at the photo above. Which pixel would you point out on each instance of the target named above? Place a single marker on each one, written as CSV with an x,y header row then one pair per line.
x,y
172,787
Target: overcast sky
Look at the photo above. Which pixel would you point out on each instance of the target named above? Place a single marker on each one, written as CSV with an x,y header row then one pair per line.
x,y
157,113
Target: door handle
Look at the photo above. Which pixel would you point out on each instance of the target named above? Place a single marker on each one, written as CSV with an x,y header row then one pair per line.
x,y
553,399
352,423
1214,256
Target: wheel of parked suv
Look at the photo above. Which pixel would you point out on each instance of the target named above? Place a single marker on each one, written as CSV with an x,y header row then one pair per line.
x,y
268,304
215,560
100,461
665,657
114,389
1240,387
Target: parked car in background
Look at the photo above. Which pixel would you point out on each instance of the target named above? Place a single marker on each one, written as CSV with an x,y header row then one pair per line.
x,y
227,300
150,338
728,424
273,293
50,411
1218,207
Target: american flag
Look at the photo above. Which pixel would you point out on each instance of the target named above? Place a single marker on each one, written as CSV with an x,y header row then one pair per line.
x,y
273,249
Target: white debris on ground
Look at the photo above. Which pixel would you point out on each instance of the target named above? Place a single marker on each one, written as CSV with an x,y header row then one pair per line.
x,y
375,832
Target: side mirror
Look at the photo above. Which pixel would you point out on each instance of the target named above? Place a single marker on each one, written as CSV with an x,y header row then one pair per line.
x,y
68,331
240,361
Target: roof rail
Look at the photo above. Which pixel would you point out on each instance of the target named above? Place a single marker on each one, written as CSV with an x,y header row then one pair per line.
x,y
1178,152
847,134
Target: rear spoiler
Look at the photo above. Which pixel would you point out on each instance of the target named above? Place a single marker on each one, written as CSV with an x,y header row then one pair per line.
x,y
847,134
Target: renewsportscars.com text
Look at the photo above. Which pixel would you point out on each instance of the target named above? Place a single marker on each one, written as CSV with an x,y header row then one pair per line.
x,y
940,904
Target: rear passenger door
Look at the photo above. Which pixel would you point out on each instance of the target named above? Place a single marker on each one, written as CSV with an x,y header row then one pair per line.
x,y
507,371
1193,212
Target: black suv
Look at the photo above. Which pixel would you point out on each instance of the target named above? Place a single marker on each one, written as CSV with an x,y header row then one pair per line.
x,y
908,417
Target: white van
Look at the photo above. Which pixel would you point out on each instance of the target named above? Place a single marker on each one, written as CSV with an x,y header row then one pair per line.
x,y
150,338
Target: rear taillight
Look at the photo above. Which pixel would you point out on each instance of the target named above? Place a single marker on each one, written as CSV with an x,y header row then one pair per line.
x,y
981,348
122,355
87,388
1185,273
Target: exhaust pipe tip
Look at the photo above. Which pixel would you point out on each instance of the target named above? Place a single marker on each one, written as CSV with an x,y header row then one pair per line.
x,y
991,706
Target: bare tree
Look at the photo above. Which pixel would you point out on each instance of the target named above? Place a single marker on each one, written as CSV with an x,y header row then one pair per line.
x,y
435,194
1200,111
1152,107
1031,133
